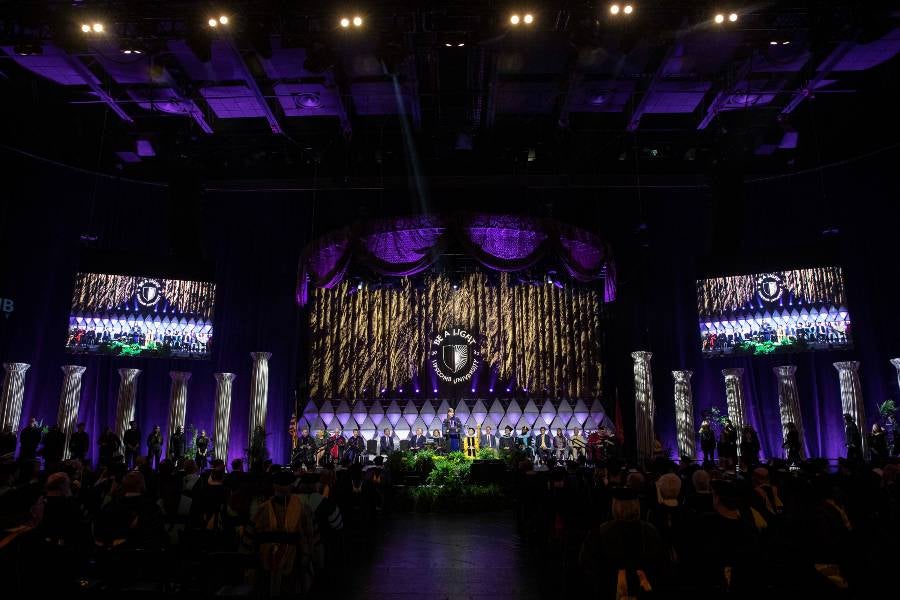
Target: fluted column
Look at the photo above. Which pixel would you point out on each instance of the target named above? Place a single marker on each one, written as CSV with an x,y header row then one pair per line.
x,y
69,399
12,394
178,392
259,390
223,414
896,363
851,396
789,401
684,413
734,399
126,400
644,407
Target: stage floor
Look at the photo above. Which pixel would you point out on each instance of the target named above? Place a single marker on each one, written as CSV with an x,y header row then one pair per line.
x,y
454,557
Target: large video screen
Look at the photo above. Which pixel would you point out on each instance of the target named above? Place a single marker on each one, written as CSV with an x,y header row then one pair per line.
x,y
774,311
127,315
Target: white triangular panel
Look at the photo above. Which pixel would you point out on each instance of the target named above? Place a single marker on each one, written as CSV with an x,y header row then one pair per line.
x,y
410,413
428,411
359,411
310,412
418,423
342,413
513,412
376,413
402,430
495,413
393,413
558,423
435,423
580,412
326,413
530,413
442,409
367,428
462,411
479,412
564,411
548,412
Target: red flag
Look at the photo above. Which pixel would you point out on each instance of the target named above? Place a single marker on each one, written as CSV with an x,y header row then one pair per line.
x,y
620,426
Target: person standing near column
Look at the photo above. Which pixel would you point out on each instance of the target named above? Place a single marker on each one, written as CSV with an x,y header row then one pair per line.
x,y
176,445
154,447
202,450
79,444
132,440
29,440
852,438
792,443
452,431
707,443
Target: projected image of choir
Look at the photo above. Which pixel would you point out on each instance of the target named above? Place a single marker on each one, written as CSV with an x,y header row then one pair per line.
x,y
136,335
810,330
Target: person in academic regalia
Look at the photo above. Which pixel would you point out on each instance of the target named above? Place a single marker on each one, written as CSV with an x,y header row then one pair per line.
x,y
386,443
707,443
335,446
306,448
749,447
579,444
154,447
792,444
29,440
202,445
418,441
452,431
356,447
471,443
852,438
54,444
878,444
79,443
560,445
132,440
728,445
488,439
543,445
110,445
176,445
507,440
523,441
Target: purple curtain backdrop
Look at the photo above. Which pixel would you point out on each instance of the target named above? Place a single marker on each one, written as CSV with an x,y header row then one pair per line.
x,y
409,245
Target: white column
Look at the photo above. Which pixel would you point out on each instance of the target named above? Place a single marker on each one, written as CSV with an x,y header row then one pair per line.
x,y
126,400
223,414
12,394
896,363
259,390
644,407
69,399
178,392
851,397
789,401
684,413
734,400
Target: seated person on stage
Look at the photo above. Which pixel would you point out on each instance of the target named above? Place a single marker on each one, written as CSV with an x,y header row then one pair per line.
x,y
560,445
306,448
488,439
578,444
452,431
523,441
418,441
386,442
437,439
356,447
543,444
335,446
320,440
471,443
507,440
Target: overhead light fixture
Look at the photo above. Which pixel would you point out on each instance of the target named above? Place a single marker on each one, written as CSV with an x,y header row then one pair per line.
x,y
628,9
345,22
223,20
528,18
97,28
773,43
460,45
719,19
733,17
514,19
357,21
85,28
614,9
448,44
213,22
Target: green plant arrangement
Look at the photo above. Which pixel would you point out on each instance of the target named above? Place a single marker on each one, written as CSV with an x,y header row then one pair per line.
x,y
887,409
763,348
486,454
450,471
469,498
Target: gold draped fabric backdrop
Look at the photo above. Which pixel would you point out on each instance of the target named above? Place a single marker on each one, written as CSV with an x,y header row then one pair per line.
x,y
540,336
99,291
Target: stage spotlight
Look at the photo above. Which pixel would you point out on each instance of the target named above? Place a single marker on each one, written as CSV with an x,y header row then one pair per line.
x,y
733,17
357,21
435,390
461,44
628,9
401,390
719,19
85,28
417,390
223,20
528,19
345,22
773,43
449,45
213,23
491,390
514,19
614,9
97,27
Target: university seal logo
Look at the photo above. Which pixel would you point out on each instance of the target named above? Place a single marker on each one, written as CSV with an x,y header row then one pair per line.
x,y
454,355
149,292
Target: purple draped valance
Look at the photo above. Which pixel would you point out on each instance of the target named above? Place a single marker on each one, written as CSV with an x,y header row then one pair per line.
x,y
410,245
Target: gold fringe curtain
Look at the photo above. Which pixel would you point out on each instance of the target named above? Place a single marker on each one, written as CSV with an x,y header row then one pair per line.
x,y
100,291
542,336
725,294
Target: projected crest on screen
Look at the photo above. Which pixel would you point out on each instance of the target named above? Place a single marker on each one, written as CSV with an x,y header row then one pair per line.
x,y
125,315
775,311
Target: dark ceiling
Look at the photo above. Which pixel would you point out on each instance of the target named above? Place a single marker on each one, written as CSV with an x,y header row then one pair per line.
x,y
447,89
